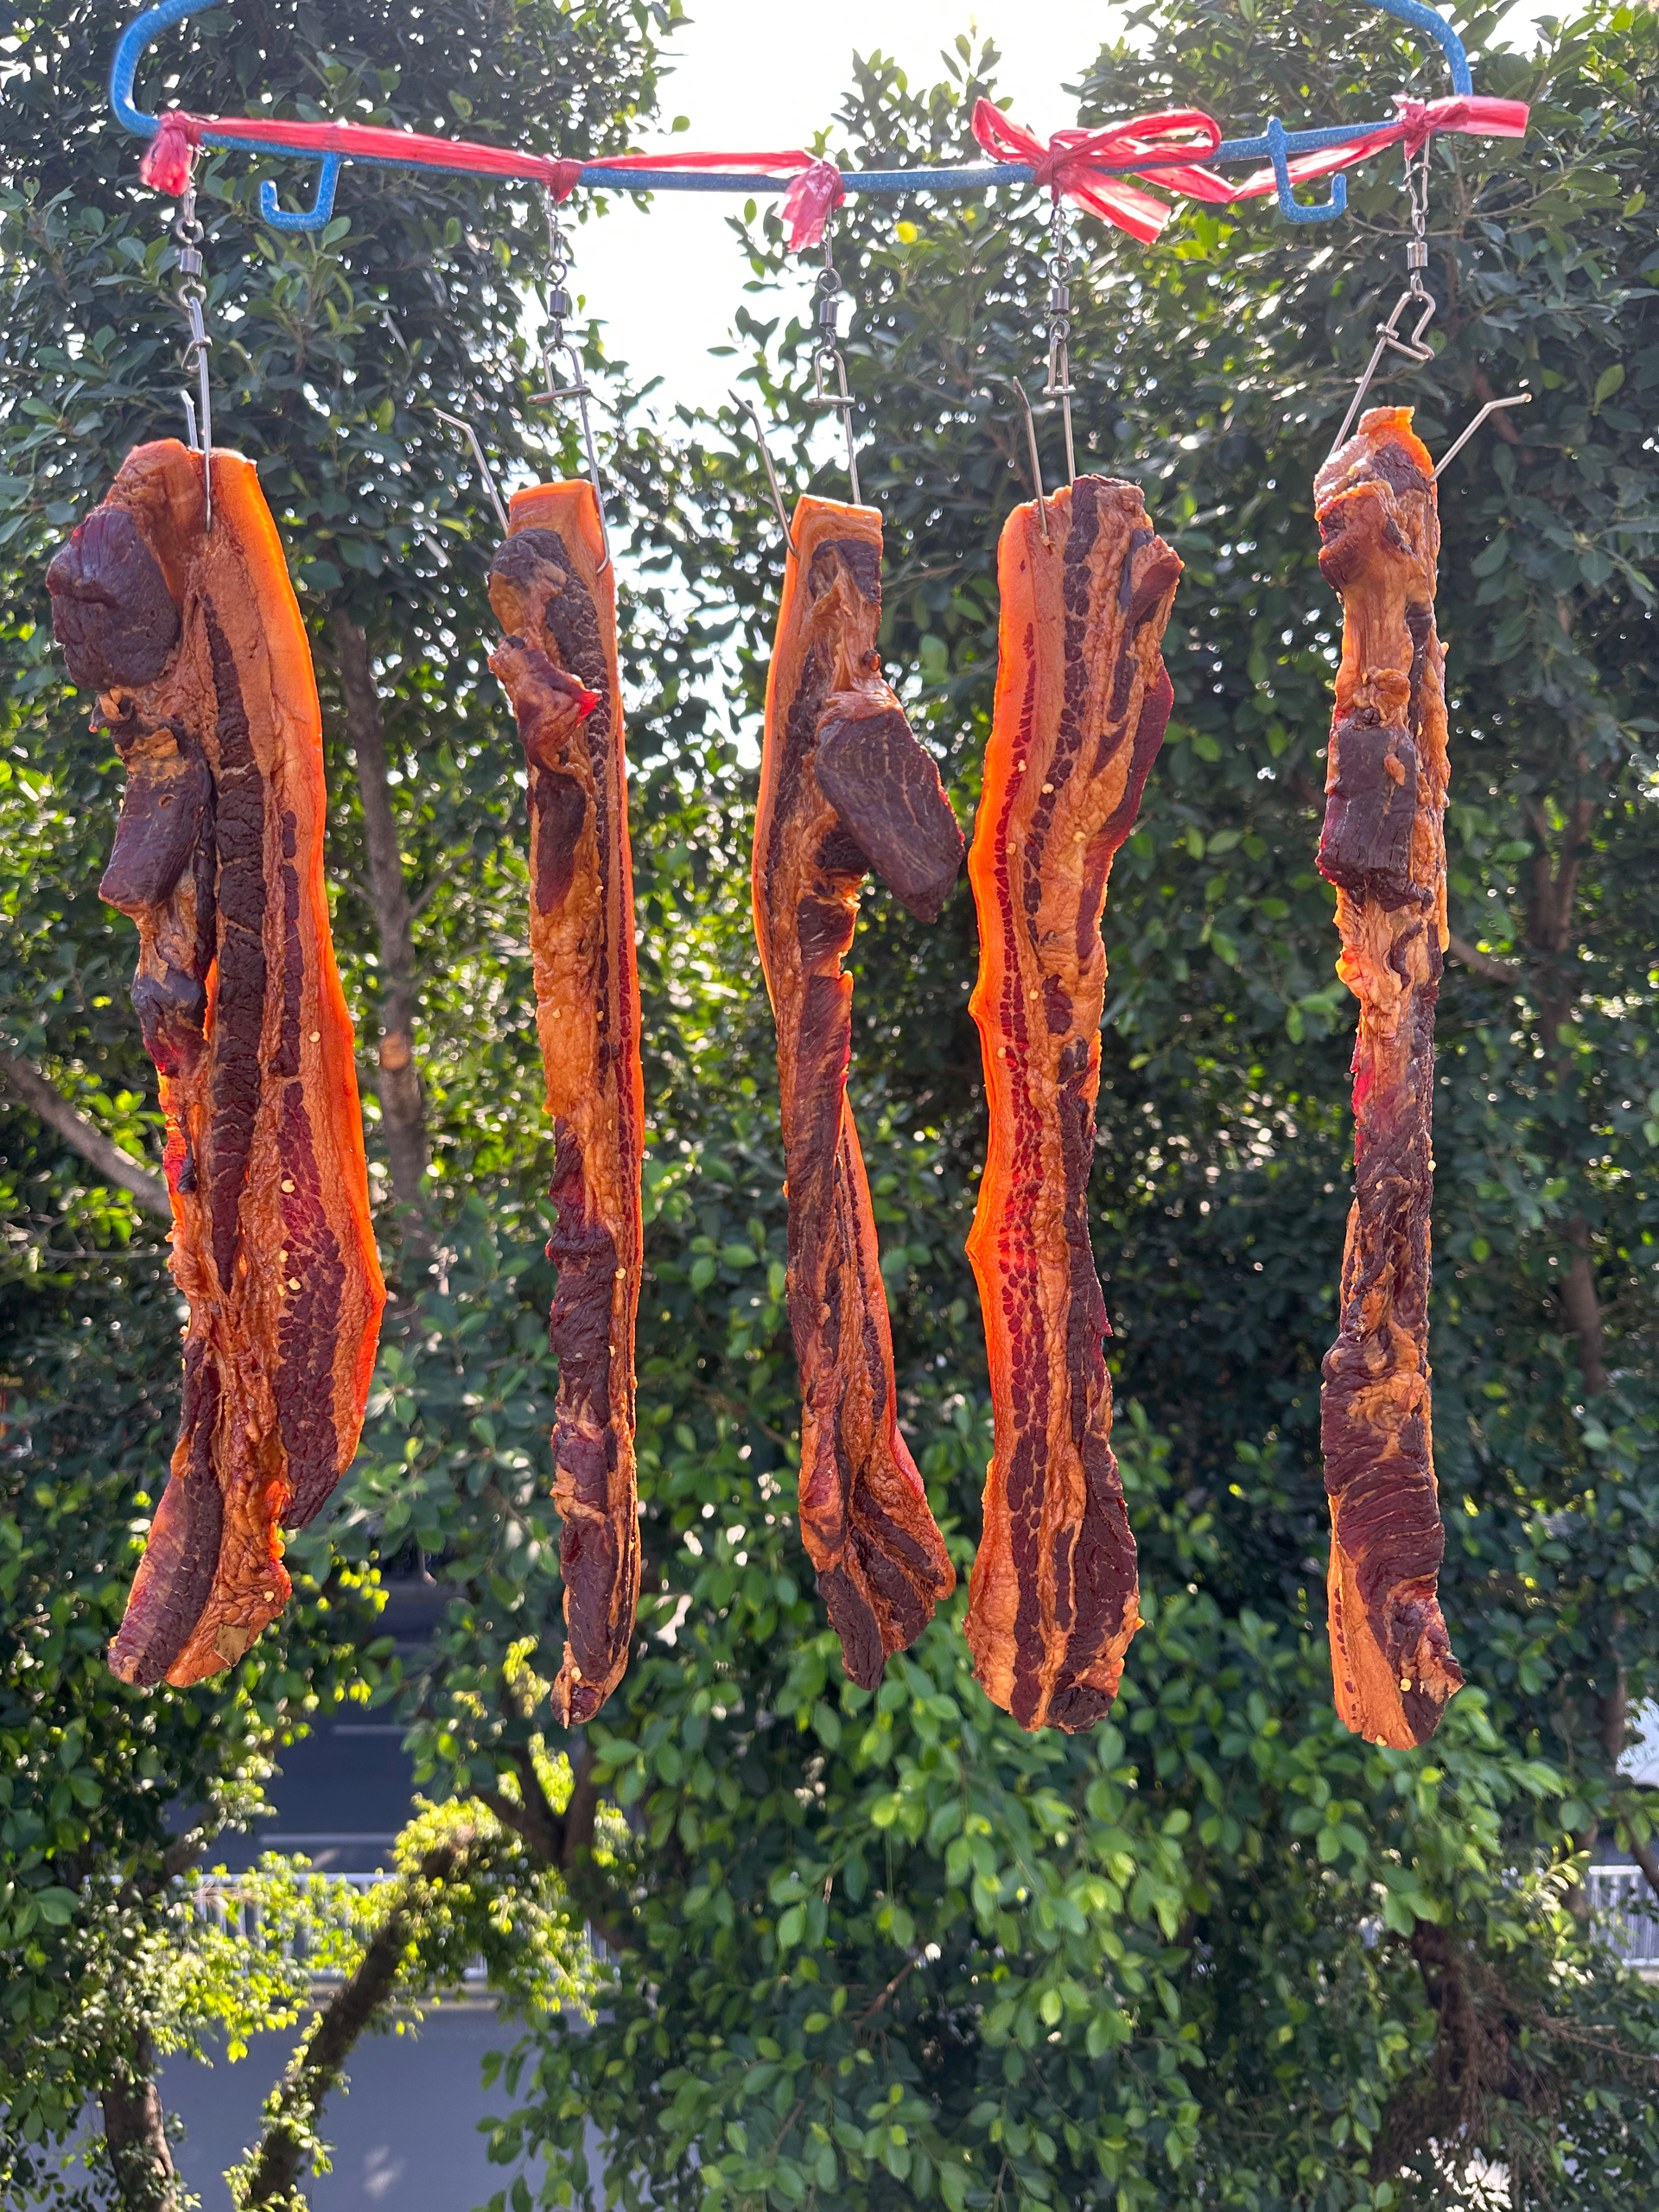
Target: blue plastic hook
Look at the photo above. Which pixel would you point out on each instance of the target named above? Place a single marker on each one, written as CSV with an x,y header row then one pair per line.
x,y
1290,208
123,72
309,218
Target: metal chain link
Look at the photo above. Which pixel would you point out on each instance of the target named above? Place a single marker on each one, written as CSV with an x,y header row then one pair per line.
x,y
1058,324
1416,295
189,234
827,356
557,307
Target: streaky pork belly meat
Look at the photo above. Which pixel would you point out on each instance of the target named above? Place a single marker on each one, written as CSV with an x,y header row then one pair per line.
x,y
1082,704
193,643
555,596
845,788
1383,847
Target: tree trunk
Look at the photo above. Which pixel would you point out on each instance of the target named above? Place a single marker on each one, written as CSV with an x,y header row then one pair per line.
x,y
270,2175
1582,1308
135,2131
402,1108
115,1165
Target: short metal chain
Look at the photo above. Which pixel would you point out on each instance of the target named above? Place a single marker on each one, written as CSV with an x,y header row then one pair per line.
x,y
556,340
827,359
1058,324
188,235
1417,246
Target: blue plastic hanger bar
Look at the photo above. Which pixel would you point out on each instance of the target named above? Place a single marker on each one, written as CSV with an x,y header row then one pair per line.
x,y
1273,144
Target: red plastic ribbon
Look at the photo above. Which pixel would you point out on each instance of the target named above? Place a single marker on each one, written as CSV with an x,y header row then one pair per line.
x,y
1082,164
815,190
1470,113
1072,160
810,202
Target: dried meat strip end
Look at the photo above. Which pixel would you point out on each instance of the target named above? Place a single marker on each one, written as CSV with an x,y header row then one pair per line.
x,y
845,788
1383,848
554,594
1082,702
193,643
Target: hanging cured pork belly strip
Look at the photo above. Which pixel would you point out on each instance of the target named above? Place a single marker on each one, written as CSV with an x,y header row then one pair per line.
x,y
1383,847
844,788
554,594
194,642
1082,702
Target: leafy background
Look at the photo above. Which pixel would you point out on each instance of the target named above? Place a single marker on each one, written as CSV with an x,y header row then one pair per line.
x,y
870,1950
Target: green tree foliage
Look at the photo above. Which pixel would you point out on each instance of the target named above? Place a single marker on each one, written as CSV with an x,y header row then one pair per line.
x,y
872,1951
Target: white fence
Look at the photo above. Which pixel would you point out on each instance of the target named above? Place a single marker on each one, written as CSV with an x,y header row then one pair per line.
x,y
1621,1899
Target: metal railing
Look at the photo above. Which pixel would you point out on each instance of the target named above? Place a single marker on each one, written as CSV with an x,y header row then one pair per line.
x,y
231,1903
1620,1898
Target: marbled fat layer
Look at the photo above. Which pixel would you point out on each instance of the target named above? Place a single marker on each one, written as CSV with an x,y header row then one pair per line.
x,y
1383,847
195,644
845,788
1082,702
554,594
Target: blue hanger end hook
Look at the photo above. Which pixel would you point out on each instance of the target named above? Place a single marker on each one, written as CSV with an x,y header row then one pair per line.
x,y
309,218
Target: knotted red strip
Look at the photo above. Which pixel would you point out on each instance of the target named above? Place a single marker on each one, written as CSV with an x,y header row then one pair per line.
x,y
816,189
1082,164
1470,113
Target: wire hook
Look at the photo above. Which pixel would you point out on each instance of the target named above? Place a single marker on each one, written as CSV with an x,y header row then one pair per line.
x,y
481,460
748,407
1036,457
1520,399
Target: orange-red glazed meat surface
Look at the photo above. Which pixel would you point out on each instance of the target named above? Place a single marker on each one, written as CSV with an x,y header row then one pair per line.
x,y
554,594
845,788
1082,702
193,643
1383,848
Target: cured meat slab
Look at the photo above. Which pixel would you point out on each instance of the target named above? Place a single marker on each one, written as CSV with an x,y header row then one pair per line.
x,y
553,593
193,643
845,788
1082,704
1383,848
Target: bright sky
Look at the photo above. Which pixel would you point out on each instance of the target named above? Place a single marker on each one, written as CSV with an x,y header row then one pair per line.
x,y
752,73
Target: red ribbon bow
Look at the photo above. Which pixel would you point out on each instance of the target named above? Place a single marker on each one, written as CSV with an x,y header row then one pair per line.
x,y
1082,164
1072,160
816,191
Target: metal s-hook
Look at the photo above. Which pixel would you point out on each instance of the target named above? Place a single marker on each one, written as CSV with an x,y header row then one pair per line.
x,y
1414,348
748,407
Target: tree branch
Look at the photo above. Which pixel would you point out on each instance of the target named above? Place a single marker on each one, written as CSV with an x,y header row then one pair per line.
x,y
269,2176
135,2134
1581,1308
81,1136
1483,963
